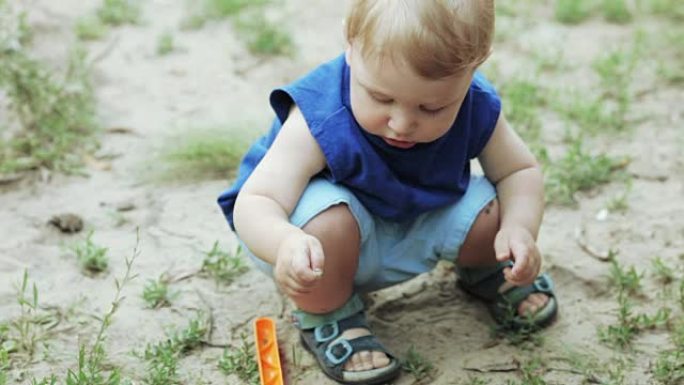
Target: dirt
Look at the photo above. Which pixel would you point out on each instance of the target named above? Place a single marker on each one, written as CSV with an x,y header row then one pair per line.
x,y
211,80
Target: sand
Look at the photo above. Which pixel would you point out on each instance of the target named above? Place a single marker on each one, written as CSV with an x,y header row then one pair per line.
x,y
211,80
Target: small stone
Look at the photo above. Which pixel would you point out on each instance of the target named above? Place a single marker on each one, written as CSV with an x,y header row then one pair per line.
x,y
67,223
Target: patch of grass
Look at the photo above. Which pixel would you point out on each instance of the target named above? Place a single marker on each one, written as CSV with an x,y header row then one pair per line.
x,y
55,117
523,98
588,112
531,372
615,71
162,358
241,362
662,271
222,266
217,9
156,293
90,28
571,11
616,11
419,367
671,66
262,36
92,258
625,280
93,367
619,202
673,9
629,324
204,154
472,380
669,367
165,44
19,339
118,12
4,363
577,171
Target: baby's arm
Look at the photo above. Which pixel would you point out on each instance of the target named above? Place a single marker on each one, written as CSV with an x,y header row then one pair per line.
x,y
510,165
269,196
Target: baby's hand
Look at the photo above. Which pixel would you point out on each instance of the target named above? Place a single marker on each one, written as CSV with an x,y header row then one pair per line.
x,y
518,245
299,265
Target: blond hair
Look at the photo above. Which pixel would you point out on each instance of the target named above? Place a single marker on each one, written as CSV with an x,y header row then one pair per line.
x,y
437,38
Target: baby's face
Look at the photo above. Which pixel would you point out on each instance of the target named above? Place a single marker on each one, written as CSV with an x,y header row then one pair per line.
x,y
390,100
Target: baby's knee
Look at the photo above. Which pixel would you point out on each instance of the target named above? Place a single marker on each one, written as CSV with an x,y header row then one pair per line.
x,y
335,225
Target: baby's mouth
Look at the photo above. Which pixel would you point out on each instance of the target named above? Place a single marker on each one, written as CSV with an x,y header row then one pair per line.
x,y
399,143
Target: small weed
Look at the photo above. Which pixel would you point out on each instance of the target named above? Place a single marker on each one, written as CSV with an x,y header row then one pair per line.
x,y
625,280
56,117
222,266
225,8
665,273
240,361
471,380
92,367
523,100
615,71
588,112
92,258
616,11
165,44
21,336
418,366
628,325
90,28
162,358
530,372
118,12
156,293
263,37
571,11
669,367
204,154
673,9
619,202
576,171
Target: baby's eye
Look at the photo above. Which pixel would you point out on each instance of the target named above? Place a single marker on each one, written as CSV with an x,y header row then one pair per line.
x,y
431,110
381,99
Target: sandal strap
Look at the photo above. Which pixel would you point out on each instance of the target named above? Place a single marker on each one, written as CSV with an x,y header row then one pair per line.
x,y
483,283
517,294
332,351
340,350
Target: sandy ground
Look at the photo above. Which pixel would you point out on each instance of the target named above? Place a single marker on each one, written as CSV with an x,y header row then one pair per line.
x,y
212,80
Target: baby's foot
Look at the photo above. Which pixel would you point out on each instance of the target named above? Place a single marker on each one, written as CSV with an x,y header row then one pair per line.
x,y
365,360
533,303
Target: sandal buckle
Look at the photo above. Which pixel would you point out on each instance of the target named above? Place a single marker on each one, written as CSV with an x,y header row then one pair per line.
x,y
330,355
319,332
543,284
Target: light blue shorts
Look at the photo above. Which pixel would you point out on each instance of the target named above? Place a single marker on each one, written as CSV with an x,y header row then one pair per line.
x,y
393,252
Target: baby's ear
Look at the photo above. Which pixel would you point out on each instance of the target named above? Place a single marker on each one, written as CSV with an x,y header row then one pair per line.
x,y
348,53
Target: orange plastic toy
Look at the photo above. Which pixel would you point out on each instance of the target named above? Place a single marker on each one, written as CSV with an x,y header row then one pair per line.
x,y
268,356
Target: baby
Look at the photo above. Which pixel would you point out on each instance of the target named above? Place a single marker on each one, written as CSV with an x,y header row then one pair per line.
x,y
363,181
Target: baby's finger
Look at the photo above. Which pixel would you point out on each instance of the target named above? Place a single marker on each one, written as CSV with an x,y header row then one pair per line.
x,y
317,258
521,260
501,248
301,270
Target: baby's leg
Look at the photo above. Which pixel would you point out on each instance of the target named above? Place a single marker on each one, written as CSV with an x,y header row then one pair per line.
x,y
337,230
478,251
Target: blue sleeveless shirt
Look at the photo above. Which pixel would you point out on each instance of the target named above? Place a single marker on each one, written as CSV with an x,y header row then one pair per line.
x,y
392,183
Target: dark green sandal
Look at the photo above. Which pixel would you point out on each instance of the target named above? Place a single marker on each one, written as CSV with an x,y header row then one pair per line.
x,y
484,284
333,351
